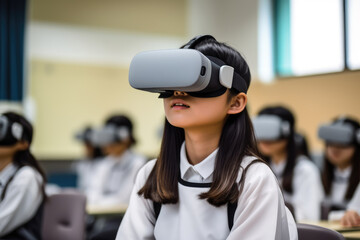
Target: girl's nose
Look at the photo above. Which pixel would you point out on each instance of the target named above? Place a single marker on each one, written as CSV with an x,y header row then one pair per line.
x,y
179,93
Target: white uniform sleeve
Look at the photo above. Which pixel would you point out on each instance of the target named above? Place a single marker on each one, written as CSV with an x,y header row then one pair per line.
x,y
139,220
261,212
22,199
307,191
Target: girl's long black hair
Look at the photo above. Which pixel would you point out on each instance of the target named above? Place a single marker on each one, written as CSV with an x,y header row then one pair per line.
x,y
291,149
25,157
328,172
237,140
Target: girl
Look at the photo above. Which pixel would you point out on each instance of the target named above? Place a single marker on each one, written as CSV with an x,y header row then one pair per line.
x,y
299,177
115,175
207,182
341,174
85,168
21,180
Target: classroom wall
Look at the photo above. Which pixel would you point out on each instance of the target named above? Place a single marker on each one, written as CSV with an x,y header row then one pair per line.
x,y
154,17
68,96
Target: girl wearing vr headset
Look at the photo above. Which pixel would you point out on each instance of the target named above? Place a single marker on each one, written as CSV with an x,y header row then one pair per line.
x,y
86,167
299,177
208,181
21,180
341,174
115,175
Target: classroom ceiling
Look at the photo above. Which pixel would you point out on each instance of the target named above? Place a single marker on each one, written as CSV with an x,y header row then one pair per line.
x,y
154,17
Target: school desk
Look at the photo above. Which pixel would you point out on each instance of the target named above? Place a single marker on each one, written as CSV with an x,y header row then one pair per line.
x,y
355,235
334,225
97,210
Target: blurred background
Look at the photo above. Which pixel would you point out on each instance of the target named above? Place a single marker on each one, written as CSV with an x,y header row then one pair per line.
x,y
304,54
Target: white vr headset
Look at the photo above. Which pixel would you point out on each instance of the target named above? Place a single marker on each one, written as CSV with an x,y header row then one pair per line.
x,y
187,70
109,134
270,127
339,133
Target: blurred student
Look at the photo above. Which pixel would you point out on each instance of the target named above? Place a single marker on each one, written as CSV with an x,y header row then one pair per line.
x,y
21,180
298,176
86,167
341,174
115,175
351,217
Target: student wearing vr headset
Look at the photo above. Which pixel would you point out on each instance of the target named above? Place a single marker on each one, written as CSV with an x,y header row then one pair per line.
x,y
341,173
299,177
114,178
86,167
21,180
115,175
208,181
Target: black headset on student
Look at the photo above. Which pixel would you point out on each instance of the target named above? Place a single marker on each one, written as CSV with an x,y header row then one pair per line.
x,y
10,132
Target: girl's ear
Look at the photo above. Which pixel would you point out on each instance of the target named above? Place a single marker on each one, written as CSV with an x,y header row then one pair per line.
x,y
238,103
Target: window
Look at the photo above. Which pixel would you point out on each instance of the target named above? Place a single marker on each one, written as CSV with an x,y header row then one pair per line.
x,y
353,34
316,36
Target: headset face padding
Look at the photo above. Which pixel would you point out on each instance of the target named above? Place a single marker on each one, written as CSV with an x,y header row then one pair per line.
x,y
108,135
270,128
338,133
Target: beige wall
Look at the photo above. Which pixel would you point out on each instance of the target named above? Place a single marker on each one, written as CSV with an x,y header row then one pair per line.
x,y
313,99
68,96
155,16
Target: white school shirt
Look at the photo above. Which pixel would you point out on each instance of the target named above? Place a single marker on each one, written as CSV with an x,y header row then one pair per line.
x,y
260,214
22,199
85,170
354,204
114,179
340,185
307,188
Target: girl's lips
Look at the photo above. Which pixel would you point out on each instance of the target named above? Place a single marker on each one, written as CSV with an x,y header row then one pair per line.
x,y
178,104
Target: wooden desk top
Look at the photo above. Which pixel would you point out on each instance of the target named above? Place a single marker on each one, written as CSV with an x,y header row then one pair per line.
x,y
352,235
334,225
106,210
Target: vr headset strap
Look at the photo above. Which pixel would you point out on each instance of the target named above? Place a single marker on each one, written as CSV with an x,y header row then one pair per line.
x,y
238,82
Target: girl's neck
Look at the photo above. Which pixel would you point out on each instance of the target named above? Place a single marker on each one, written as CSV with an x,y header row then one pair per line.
x,y
4,162
344,166
200,143
279,157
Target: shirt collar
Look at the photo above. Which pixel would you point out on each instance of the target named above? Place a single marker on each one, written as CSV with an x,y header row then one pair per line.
x,y
6,173
205,168
342,175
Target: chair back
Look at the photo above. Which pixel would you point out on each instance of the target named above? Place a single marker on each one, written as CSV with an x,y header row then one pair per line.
x,y
64,217
312,232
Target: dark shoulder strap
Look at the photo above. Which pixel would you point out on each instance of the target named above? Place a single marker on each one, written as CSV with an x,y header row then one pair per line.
x,y
231,208
157,208
7,184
